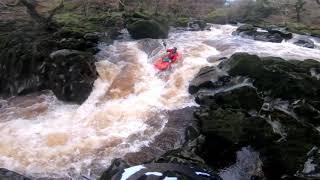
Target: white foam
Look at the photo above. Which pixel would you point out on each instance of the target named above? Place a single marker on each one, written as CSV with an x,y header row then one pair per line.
x,y
131,171
153,173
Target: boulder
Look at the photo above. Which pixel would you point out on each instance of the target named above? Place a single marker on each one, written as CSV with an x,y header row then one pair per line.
x,y
71,74
26,60
148,29
305,42
283,131
10,175
281,31
276,77
246,28
208,77
244,97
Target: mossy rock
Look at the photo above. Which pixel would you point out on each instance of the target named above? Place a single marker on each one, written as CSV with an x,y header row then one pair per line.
x,y
276,78
148,29
182,22
246,27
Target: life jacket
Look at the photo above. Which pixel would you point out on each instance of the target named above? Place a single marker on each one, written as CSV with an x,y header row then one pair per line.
x,y
172,55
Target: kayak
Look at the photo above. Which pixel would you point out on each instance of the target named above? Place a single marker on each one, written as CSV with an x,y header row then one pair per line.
x,y
162,65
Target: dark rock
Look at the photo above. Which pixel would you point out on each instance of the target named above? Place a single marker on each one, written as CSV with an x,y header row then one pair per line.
x,y
276,77
115,170
283,132
245,97
158,171
271,35
246,27
281,31
311,169
25,60
197,25
306,111
94,37
268,37
207,78
71,74
148,29
304,42
10,175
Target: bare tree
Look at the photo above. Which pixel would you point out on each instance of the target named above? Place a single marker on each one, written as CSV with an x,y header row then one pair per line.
x,y
31,5
299,7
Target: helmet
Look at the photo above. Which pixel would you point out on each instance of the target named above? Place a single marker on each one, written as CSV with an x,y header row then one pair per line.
x,y
175,49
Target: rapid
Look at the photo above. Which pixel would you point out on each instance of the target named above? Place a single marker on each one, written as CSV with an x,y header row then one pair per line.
x,y
44,137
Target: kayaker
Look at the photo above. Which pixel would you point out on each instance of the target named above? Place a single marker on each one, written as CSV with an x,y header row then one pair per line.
x,y
172,55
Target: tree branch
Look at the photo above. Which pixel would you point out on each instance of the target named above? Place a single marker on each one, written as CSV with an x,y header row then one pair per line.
x,y
54,11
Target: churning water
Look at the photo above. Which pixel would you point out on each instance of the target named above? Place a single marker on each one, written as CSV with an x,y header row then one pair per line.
x,y
44,137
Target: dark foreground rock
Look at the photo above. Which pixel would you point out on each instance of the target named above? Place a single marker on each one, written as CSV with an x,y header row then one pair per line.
x,y
270,35
156,171
269,104
9,175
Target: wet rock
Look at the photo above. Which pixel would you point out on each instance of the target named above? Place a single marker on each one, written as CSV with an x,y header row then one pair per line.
x,y
276,77
307,112
281,31
304,42
207,78
10,175
282,133
150,46
271,35
268,37
246,28
115,170
26,59
148,29
159,171
94,37
197,25
71,74
311,169
245,97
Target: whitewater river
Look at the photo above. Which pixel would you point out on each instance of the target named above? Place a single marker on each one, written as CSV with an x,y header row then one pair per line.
x,y
44,137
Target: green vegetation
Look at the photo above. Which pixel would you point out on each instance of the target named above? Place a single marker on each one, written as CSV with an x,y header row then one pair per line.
x,y
81,23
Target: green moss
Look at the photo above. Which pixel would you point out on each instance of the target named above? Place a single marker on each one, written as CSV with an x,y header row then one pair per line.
x,y
216,15
182,22
304,29
81,23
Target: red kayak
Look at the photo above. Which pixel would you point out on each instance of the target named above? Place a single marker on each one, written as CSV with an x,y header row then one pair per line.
x,y
163,65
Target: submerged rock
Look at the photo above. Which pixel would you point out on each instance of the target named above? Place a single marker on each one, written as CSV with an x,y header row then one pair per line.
x,y
304,42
